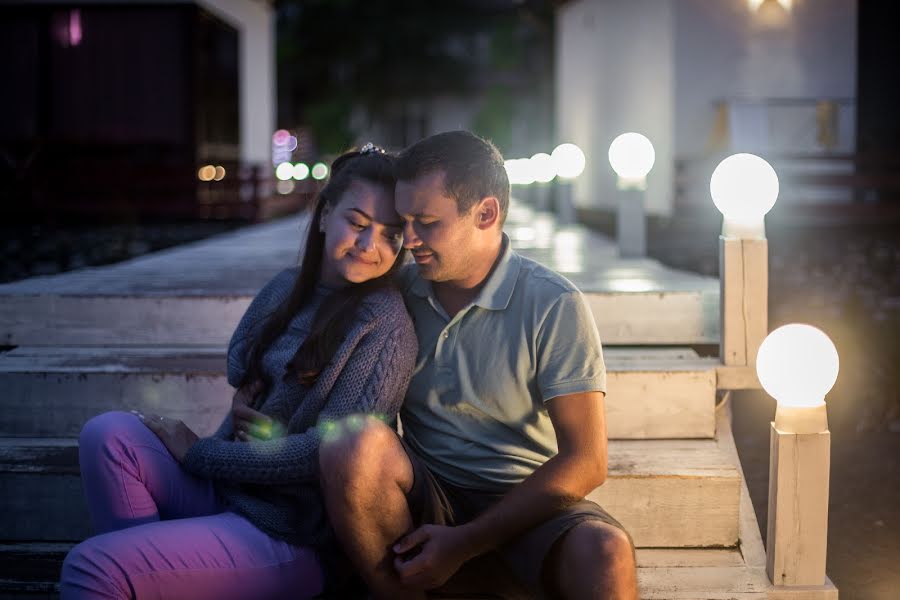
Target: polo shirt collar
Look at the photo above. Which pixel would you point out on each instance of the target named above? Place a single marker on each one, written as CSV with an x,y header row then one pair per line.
x,y
498,288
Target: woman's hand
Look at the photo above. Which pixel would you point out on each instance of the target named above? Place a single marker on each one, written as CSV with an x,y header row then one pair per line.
x,y
174,434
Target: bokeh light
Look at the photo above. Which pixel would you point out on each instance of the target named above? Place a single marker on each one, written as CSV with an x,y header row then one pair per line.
x,y
568,160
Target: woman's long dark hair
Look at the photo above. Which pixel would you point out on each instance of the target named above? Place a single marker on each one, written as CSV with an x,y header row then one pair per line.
x,y
334,317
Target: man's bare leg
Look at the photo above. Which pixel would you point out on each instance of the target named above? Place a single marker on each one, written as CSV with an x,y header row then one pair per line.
x,y
365,476
592,560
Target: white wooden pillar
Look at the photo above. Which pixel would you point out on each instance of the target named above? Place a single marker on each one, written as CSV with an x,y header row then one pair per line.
x,y
797,533
744,280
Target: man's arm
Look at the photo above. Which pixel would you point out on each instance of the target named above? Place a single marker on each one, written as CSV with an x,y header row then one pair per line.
x,y
578,468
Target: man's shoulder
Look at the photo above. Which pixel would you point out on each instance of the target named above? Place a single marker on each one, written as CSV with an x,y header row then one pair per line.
x,y
538,282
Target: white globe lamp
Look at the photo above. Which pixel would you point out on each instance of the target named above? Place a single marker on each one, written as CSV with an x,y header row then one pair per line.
x,y
744,187
798,365
542,167
631,155
568,161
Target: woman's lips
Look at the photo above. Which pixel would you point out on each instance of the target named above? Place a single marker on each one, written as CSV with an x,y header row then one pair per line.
x,y
362,260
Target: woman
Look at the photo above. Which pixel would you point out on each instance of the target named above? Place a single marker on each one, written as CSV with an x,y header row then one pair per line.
x,y
239,514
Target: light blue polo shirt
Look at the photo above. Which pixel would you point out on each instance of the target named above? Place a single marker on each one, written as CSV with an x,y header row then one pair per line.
x,y
475,409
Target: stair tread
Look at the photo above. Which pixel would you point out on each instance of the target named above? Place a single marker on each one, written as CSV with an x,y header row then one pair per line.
x,y
208,358
662,573
627,458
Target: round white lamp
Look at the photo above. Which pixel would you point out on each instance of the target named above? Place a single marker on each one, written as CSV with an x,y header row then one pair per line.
x,y
798,365
631,156
568,161
542,167
744,187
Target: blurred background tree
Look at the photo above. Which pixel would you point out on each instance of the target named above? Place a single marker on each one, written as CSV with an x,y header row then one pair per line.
x,y
344,65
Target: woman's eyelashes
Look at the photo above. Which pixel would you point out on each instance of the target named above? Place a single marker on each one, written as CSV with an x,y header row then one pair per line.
x,y
394,236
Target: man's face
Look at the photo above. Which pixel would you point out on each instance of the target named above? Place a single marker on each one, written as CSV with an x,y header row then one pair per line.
x,y
441,241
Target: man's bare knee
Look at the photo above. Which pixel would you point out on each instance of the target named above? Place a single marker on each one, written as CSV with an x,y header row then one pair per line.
x,y
359,450
592,555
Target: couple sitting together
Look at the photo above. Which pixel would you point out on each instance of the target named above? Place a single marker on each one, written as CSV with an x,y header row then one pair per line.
x,y
492,361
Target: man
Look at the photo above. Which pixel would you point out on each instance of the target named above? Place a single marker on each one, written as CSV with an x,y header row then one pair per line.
x,y
503,424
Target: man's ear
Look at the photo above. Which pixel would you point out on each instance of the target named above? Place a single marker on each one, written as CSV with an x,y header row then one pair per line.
x,y
487,213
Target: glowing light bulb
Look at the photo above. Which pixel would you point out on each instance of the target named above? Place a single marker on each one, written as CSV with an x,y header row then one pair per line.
x,y
568,161
631,156
744,187
542,167
319,171
300,171
797,365
206,173
284,171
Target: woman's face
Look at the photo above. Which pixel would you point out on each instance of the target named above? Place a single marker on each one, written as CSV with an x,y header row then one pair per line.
x,y
363,235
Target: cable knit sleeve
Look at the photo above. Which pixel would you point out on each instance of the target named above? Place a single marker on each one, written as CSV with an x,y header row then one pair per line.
x,y
266,301
373,379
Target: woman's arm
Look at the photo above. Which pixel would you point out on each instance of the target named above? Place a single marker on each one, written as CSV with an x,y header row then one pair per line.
x,y
374,379
263,305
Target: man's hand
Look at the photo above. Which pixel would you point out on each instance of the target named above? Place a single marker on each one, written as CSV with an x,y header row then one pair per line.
x,y
251,424
435,553
174,434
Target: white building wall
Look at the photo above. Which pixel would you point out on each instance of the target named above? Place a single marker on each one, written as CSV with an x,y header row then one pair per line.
x,y
615,72
255,22
724,52
659,66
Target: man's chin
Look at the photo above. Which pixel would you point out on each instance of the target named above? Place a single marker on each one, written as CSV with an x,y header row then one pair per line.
x,y
427,271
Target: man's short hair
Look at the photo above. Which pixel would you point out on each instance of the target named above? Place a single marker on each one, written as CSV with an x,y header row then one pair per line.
x,y
473,168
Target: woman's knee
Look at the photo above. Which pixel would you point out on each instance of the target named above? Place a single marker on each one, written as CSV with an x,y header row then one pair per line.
x,y
87,572
107,427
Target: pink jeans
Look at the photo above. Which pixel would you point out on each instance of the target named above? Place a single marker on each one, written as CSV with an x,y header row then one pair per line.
x,y
164,534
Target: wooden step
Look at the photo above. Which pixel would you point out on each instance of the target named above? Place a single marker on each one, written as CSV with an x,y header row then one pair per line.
x,y
55,390
668,573
623,318
652,393
667,493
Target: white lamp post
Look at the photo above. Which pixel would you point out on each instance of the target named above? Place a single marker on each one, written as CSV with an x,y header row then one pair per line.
x,y
568,162
631,156
744,188
798,365
543,171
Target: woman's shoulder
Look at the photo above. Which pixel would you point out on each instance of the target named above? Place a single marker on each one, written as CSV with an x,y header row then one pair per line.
x,y
386,305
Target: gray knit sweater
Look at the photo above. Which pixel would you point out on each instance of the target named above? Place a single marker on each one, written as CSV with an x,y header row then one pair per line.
x,y
275,483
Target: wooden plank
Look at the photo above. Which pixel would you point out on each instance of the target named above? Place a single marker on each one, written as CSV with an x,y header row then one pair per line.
x,y
658,394
743,265
798,508
689,557
59,404
669,494
702,582
737,377
751,547
677,317
117,320
652,393
822,592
